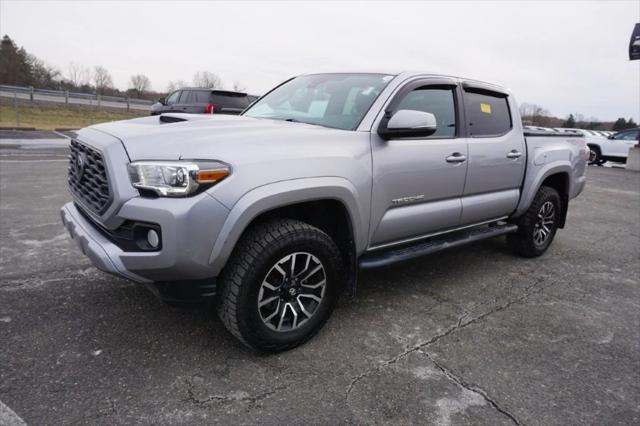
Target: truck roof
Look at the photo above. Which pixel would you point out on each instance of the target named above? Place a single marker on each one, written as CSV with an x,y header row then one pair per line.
x,y
414,73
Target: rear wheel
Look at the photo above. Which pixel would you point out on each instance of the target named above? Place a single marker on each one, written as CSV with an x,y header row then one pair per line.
x,y
538,226
280,286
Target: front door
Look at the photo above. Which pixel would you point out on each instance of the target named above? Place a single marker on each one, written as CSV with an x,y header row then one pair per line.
x,y
171,102
497,156
619,145
418,182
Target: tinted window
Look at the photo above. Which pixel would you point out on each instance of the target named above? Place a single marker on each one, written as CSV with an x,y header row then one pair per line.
x,y
230,100
487,115
173,98
201,97
184,98
437,101
331,100
627,136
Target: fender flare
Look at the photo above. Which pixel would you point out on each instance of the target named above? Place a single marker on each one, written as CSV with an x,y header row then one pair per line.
x,y
533,187
281,194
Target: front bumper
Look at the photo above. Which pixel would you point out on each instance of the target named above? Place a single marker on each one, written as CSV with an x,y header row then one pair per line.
x,y
103,253
189,228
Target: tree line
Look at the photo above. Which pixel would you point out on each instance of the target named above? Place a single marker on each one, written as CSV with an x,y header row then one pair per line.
x,y
21,68
535,115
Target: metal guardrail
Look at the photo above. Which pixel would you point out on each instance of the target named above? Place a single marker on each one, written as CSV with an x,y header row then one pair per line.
x,y
65,96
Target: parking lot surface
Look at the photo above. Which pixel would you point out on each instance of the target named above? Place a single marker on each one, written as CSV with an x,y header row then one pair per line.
x,y
471,336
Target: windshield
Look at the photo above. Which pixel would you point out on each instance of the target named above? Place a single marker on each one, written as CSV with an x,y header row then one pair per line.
x,y
338,101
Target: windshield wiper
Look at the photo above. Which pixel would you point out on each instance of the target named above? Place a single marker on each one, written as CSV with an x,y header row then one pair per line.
x,y
295,120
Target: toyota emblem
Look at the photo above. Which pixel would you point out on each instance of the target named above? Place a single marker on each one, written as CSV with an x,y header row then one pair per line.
x,y
81,161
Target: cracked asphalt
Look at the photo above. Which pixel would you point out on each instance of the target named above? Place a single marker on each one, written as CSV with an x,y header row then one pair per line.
x,y
472,336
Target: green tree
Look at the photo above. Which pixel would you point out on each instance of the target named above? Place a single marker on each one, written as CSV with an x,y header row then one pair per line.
x,y
570,122
631,124
43,75
15,67
620,124
19,68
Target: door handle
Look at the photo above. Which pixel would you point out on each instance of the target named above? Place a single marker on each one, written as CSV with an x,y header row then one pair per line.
x,y
456,157
513,154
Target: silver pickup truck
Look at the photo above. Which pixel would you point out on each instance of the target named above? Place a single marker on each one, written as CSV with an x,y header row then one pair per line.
x,y
275,211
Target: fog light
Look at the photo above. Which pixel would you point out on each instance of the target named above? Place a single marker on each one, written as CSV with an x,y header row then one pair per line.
x,y
152,238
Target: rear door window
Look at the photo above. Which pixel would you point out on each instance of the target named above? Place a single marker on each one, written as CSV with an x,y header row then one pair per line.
x,y
487,114
201,97
185,97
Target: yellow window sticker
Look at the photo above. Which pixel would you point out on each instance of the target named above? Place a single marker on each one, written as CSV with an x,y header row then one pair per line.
x,y
486,108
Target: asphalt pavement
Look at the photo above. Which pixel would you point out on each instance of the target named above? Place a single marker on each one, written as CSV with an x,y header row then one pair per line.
x,y
471,336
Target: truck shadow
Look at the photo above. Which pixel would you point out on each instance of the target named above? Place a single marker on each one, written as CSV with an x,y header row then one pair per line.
x,y
199,327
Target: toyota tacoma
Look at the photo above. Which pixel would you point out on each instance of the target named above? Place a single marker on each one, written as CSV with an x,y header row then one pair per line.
x,y
271,214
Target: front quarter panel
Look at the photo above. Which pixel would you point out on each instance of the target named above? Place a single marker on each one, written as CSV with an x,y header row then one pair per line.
x,y
280,194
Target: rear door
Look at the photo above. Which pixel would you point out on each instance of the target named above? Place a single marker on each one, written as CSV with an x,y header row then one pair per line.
x,y
418,182
184,101
497,155
199,101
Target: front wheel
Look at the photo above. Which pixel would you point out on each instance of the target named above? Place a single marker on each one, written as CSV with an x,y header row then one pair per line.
x,y
538,226
280,285
595,156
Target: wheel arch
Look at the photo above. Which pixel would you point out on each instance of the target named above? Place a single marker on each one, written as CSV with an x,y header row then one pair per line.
x,y
594,145
329,203
557,176
560,182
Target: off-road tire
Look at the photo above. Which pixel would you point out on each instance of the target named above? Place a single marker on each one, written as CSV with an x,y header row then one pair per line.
x,y
522,242
255,254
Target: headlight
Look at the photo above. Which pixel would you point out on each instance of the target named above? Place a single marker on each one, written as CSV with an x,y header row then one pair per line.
x,y
176,178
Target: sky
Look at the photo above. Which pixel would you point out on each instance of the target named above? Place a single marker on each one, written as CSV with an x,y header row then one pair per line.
x,y
568,57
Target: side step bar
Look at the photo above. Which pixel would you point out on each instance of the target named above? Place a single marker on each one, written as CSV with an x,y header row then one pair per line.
x,y
387,257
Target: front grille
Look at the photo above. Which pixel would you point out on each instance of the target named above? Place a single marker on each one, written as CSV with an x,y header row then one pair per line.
x,y
87,177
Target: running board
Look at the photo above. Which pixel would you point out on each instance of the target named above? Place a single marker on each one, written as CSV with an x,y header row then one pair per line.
x,y
387,257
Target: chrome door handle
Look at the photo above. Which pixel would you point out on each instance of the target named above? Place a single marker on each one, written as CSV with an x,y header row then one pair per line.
x,y
513,154
456,157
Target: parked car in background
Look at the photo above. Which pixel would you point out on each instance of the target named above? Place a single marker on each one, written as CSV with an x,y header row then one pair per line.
x,y
614,148
540,128
275,210
195,100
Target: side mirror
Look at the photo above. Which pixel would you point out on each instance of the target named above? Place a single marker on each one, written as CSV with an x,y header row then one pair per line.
x,y
162,101
611,136
407,123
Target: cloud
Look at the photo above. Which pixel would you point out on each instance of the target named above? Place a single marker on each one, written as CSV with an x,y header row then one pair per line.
x,y
566,56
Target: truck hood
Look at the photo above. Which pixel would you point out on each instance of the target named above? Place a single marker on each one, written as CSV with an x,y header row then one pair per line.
x,y
215,137
259,151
